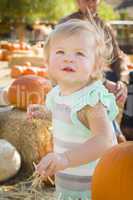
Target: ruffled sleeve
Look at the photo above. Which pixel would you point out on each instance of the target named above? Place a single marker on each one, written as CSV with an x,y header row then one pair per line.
x,y
50,99
97,93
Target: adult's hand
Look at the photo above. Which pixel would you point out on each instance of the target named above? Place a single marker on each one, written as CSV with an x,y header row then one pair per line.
x,y
119,89
121,92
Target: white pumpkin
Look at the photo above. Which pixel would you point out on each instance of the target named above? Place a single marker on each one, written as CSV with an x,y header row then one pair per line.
x,y
3,97
10,160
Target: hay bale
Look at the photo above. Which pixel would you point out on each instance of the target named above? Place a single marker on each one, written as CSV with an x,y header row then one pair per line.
x,y
32,139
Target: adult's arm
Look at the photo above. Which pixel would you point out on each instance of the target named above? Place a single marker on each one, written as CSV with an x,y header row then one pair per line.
x,y
119,62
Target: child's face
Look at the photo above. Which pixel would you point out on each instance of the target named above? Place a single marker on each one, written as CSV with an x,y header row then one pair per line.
x,y
72,59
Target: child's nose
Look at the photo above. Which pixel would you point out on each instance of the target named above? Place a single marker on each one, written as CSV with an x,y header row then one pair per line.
x,y
69,58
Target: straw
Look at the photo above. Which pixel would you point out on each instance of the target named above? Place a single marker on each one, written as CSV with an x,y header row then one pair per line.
x,y
49,178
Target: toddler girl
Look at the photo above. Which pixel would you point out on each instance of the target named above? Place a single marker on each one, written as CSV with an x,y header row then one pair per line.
x,y
82,109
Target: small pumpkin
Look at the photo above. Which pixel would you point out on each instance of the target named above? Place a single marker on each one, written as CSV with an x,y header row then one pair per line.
x,y
1,55
24,46
29,70
42,72
6,45
28,89
113,176
6,55
17,71
15,46
130,66
28,64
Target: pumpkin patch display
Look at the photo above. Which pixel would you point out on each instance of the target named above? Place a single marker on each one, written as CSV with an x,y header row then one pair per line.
x,y
17,71
113,176
5,55
29,89
6,45
14,46
10,160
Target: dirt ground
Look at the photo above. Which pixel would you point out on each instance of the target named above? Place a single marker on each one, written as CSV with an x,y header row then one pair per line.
x,y
7,189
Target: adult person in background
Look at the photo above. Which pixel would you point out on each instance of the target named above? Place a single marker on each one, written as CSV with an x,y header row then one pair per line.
x,y
116,77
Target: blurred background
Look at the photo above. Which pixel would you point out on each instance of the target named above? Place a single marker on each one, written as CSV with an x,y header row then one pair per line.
x,y
30,21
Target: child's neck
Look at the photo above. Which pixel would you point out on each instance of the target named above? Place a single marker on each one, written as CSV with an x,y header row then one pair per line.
x,y
69,89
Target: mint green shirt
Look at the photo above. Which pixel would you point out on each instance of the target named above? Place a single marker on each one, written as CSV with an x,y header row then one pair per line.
x,y
69,133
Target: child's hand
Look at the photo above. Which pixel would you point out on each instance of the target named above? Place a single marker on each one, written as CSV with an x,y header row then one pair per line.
x,y
51,164
35,111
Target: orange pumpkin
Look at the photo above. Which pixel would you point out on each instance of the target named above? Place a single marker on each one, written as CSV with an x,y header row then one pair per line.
x,y
29,70
42,72
24,46
28,64
15,46
17,71
130,66
113,176
6,45
6,55
29,89
1,55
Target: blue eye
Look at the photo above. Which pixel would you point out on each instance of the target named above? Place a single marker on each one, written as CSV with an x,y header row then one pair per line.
x,y
80,53
60,52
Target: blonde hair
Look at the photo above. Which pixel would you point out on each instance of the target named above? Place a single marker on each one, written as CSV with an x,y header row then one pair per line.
x,y
72,27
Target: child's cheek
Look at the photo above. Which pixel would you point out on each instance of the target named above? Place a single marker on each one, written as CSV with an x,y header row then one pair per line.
x,y
54,65
54,60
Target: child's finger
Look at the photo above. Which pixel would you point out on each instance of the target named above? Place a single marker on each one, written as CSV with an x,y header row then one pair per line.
x,y
50,170
33,115
29,108
42,166
32,108
36,114
41,172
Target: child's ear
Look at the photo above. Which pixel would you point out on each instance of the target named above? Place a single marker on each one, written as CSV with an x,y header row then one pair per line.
x,y
97,67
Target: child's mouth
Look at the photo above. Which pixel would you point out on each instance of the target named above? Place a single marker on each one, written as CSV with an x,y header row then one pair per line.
x,y
68,69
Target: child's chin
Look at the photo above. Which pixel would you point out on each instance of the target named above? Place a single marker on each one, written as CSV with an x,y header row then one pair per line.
x,y
70,81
